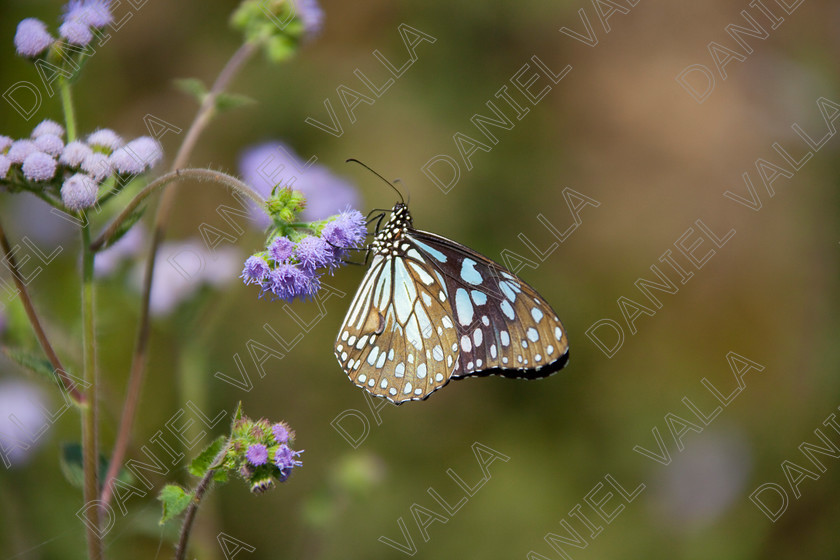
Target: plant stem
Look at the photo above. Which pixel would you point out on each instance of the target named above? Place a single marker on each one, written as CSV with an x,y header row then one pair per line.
x,y
58,368
89,414
200,490
138,362
162,181
69,113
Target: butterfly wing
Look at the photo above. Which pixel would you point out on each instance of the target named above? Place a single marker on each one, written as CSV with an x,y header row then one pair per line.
x,y
503,325
398,339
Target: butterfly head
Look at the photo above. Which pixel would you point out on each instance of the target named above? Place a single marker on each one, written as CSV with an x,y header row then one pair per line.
x,y
388,238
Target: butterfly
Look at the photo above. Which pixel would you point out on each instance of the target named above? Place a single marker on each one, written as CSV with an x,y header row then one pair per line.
x,y
430,310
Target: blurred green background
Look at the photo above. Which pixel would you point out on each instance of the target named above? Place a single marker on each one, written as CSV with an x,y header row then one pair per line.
x,y
618,129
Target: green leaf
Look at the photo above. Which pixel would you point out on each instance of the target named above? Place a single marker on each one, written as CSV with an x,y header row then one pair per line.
x,y
175,500
201,464
28,360
227,101
71,462
126,225
192,87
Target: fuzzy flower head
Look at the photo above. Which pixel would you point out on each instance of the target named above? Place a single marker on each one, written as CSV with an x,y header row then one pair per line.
x,y
79,192
20,149
75,32
92,13
347,231
39,166
48,127
256,455
137,156
5,164
32,37
5,143
105,138
289,281
74,154
314,252
281,249
256,270
282,432
97,165
50,143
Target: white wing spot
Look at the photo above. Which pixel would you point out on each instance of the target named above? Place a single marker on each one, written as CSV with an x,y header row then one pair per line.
x,y
536,314
469,365
477,337
507,310
558,334
426,299
454,346
391,354
469,273
407,388
383,383
437,352
344,335
339,348
441,296
538,358
362,341
466,345
504,359
464,307
447,322
417,391
485,320
438,377
374,352
371,382
505,338
362,378
381,361
519,359
533,335
449,361
493,351
524,344
411,358
399,371
352,340
478,363
480,298
343,356
550,349
392,391
421,371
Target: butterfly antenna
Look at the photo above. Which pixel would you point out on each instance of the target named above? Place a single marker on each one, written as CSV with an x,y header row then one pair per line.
x,y
378,175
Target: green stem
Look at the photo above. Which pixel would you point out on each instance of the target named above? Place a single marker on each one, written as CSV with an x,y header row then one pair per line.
x,y
200,490
69,115
89,413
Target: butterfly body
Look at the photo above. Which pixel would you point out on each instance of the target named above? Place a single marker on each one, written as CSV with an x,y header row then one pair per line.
x,y
430,310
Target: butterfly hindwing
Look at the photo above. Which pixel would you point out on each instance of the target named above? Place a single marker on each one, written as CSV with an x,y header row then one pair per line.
x,y
394,342
504,326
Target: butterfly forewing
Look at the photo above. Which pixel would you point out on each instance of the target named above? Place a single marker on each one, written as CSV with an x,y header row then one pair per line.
x,y
504,326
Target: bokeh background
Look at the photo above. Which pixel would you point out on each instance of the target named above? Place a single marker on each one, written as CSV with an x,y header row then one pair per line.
x,y
619,129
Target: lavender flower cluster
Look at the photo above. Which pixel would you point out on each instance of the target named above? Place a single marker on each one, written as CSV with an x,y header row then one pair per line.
x,y
262,452
289,267
75,170
80,19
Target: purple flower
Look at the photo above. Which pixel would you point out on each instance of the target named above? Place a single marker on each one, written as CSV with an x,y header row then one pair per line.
x,y
105,138
97,165
74,154
22,421
48,127
281,249
78,192
347,231
5,164
313,253
75,32
95,13
39,166
257,454
284,458
281,432
288,281
273,163
256,270
32,37
5,142
50,143
20,149
312,16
